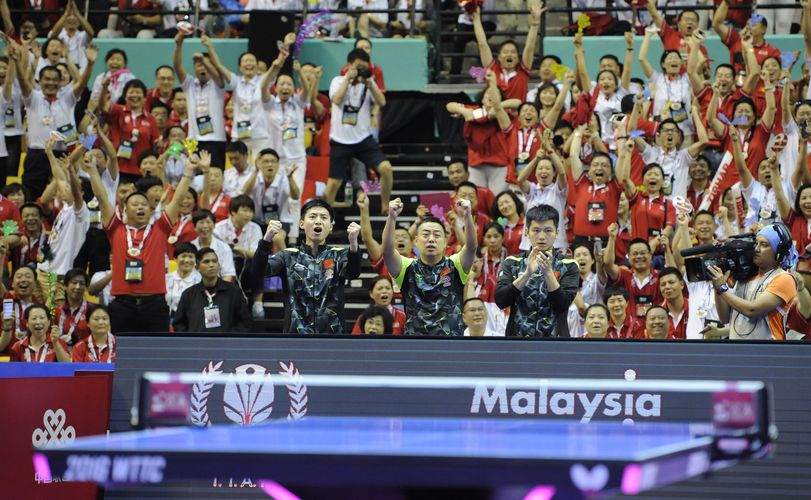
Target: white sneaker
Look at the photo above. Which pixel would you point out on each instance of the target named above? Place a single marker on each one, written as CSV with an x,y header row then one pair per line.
x,y
258,310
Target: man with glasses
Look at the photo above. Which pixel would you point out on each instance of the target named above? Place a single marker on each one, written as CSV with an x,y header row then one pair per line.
x,y
538,286
641,281
668,153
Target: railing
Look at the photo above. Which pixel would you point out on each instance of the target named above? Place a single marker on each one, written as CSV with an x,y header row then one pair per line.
x,y
442,33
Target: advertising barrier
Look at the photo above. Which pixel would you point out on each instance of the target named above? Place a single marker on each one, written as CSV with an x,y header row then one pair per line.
x,y
783,365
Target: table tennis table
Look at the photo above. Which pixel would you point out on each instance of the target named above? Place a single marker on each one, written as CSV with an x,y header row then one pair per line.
x,y
318,457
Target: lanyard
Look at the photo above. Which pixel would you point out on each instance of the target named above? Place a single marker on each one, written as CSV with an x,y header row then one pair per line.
x,y
60,221
91,347
74,320
32,247
134,132
42,353
681,84
362,96
210,297
184,219
133,251
530,139
217,202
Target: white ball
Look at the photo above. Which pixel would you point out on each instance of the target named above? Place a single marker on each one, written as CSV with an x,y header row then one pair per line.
x,y
630,375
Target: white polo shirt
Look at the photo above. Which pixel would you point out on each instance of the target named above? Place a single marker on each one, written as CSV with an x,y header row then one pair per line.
x,y
115,90
224,255
205,100
233,181
110,188
175,286
66,239
272,201
44,117
76,45
287,127
675,164
248,107
356,95
247,239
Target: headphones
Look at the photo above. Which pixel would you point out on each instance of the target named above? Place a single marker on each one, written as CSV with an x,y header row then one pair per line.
x,y
786,241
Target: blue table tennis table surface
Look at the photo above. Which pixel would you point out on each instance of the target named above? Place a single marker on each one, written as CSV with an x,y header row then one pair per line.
x,y
417,437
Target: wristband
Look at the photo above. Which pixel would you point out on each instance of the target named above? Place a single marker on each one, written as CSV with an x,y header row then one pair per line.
x,y
722,289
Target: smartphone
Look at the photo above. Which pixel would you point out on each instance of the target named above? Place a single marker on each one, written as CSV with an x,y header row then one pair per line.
x,y
804,132
8,308
598,247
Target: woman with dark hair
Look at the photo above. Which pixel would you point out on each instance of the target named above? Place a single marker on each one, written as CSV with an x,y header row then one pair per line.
x,y
133,130
381,292
71,317
671,92
493,255
592,285
42,343
508,210
99,346
375,320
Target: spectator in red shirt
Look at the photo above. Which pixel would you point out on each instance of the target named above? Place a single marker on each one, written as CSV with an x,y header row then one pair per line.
x,y
511,72
652,214
162,92
657,323
699,172
99,346
139,249
623,325
641,282
381,292
42,343
71,317
132,129
671,285
732,39
375,320
686,22
458,172
797,217
510,208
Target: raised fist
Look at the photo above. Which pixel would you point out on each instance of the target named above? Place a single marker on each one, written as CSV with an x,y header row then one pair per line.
x,y
274,227
395,208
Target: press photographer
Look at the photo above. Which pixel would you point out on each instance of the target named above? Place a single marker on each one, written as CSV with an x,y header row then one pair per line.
x,y
757,308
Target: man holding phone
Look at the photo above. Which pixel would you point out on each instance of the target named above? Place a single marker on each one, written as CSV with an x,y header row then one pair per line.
x,y
538,286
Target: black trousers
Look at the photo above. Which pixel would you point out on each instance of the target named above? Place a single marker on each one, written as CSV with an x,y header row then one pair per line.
x,y
94,253
37,171
10,165
216,149
139,314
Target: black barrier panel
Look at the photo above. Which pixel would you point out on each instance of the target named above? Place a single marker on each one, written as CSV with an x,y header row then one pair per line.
x,y
786,367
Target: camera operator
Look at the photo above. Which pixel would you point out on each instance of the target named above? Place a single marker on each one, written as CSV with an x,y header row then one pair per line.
x,y
757,309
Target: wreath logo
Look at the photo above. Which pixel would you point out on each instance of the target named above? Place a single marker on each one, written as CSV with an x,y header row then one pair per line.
x,y
249,401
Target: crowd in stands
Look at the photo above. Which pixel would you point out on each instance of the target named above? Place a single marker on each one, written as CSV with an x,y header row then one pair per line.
x,y
567,217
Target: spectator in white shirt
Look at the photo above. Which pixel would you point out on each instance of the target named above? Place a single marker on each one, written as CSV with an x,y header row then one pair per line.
x,y
234,178
250,124
68,231
49,109
243,234
203,221
351,137
273,191
116,60
368,24
184,276
205,96
76,40
478,322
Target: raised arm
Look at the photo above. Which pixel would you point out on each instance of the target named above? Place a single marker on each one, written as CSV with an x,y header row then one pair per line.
x,y
177,57
394,263
712,113
340,92
106,206
485,53
767,120
783,204
215,59
801,175
75,186
86,26
805,24
582,72
752,67
5,13
612,270
655,14
374,248
550,119
628,63
574,153
503,118
20,58
785,97
740,162
173,207
647,68
91,52
272,73
719,20
109,149
625,149
701,131
468,253
536,9
696,79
